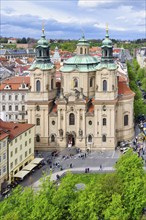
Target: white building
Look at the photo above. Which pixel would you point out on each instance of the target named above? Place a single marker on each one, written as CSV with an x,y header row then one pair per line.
x,y
13,93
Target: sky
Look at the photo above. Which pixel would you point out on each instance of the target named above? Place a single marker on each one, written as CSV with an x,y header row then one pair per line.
x,y
69,19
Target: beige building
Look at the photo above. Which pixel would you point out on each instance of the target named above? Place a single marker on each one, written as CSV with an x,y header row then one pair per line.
x,y
20,146
95,107
3,158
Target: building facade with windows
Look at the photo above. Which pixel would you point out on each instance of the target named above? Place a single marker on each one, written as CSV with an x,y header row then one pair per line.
x,y
13,92
20,146
3,158
94,109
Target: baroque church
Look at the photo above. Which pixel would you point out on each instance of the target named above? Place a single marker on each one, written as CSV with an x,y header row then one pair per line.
x,y
94,109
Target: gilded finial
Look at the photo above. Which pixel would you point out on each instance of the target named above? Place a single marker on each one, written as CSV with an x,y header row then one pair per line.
x,y
107,28
82,33
43,27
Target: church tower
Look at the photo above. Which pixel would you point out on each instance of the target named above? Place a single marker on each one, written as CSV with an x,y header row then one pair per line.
x,y
42,92
106,76
106,97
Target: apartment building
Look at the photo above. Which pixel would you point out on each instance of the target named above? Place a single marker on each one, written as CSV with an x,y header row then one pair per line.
x,y
20,146
3,158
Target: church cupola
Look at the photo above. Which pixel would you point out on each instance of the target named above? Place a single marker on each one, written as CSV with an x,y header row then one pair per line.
x,y
83,46
42,49
107,49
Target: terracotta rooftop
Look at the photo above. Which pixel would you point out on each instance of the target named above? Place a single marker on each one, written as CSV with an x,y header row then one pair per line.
x,y
91,108
15,82
14,129
123,89
3,135
54,108
17,60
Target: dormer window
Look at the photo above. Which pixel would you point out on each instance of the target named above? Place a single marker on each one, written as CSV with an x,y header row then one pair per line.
x,y
7,87
23,85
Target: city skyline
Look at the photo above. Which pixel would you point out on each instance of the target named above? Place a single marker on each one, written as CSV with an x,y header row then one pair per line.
x,y
68,19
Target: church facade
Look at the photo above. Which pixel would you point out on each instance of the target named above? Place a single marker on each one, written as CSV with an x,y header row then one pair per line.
x,y
94,110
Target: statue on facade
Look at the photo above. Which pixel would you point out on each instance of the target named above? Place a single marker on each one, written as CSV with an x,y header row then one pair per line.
x,y
80,132
96,87
60,132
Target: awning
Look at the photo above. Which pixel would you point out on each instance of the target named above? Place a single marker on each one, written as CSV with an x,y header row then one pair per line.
x,y
21,174
29,167
37,160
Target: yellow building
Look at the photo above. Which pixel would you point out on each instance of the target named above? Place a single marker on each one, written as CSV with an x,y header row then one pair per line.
x,y
3,158
20,146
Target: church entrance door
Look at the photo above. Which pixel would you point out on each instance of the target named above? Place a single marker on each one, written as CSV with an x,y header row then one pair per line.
x,y
71,140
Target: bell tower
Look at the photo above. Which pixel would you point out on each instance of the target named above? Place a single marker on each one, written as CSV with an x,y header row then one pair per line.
x,y
106,76
42,92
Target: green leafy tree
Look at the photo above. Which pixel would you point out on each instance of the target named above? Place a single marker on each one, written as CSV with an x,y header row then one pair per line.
x,y
115,210
131,174
144,84
139,107
135,65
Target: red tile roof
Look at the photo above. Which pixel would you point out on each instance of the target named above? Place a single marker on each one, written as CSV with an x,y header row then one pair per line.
x,y
3,135
123,89
91,108
17,60
54,108
15,82
14,129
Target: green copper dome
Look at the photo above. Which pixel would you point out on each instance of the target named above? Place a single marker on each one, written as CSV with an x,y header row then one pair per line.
x,y
42,61
81,63
107,42
83,42
42,42
81,59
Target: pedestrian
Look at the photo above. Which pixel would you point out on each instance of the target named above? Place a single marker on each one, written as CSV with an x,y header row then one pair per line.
x,y
85,155
100,167
71,165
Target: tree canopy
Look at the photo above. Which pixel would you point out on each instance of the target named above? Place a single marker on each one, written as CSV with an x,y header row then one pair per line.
x,y
114,196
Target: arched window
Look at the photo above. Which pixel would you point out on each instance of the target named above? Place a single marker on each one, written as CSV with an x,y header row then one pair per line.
x,y
125,120
85,50
91,82
81,50
40,53
38,86
37,138
104,121
52,138
104,85
103,138
90,138
38,121
75,83
10,108
52,82
106,53
71,119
